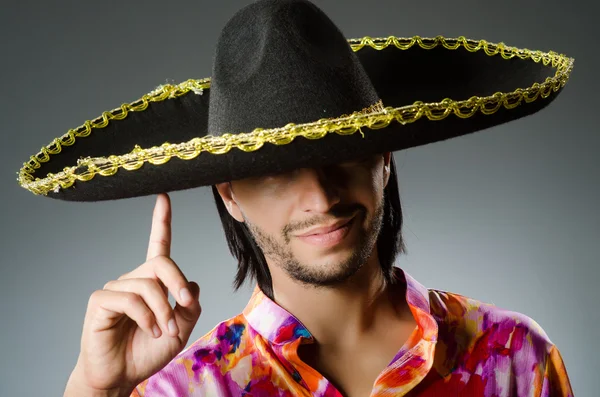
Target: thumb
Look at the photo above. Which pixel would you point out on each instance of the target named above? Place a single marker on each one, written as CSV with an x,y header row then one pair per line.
x,y
187,316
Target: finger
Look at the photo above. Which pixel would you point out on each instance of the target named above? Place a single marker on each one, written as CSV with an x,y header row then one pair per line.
x,y
160,234
153,296
105,306
187,316
144,272
166,271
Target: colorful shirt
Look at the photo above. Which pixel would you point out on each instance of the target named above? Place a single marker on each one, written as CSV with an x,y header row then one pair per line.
x,y
460,347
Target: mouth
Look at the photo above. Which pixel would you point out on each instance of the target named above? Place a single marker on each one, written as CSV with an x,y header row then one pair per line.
x,y
326,229
328,236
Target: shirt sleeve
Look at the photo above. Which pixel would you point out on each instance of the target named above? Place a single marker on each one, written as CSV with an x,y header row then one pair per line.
x,y
556,379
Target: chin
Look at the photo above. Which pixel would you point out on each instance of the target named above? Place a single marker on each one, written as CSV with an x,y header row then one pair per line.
x,y
329,258
333,264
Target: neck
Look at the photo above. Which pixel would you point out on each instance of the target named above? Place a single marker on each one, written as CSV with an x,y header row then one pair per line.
x,y
343,315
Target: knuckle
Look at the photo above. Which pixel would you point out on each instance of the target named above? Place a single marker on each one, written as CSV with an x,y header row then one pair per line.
x,y
130,299
123,276
159,240
162,260
152,288
94,297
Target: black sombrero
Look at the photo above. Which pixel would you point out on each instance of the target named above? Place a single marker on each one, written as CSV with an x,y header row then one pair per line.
x,y
287,91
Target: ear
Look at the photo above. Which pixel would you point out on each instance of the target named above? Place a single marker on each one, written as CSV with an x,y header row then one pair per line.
x,y
387,158
226,193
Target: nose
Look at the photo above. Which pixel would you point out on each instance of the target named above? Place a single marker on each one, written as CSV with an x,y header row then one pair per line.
x,y
318,190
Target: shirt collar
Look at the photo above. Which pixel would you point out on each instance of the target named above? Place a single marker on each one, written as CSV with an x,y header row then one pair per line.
x,y
279,326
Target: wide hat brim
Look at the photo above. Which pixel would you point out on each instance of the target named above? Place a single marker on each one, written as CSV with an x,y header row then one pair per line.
x,y
431,89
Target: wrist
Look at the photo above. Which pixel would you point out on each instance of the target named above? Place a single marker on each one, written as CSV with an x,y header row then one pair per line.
x,y
76,387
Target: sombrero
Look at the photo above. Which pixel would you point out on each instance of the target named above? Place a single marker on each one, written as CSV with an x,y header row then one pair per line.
x,y
288,90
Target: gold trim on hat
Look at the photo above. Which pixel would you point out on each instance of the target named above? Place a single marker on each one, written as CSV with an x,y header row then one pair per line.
x,y
375,117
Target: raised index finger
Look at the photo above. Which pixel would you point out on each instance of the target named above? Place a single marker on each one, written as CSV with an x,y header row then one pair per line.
x,y
160,235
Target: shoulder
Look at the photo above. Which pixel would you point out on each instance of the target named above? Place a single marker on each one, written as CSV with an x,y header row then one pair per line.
x,y
479,331
207,366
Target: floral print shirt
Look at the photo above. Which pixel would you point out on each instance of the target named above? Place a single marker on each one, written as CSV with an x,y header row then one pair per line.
x,y
460,347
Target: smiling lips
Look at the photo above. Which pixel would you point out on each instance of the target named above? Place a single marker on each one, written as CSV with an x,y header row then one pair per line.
x,y
329,235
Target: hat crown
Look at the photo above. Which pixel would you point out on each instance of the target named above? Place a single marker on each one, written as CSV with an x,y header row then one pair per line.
x,y
283,61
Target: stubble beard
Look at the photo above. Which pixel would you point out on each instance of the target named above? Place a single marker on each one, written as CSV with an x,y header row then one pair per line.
x,y
328,274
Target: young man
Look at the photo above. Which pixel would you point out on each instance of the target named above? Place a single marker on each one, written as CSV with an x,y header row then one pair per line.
x,y
316,222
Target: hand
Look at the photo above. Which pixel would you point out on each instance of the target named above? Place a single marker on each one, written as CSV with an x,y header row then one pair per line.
x,y
130,330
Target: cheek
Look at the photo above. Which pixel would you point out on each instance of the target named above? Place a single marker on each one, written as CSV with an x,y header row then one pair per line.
x,y
378,182
368,185
372,196
265,214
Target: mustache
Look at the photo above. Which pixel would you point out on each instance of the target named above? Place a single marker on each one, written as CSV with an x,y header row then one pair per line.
x,y
335,214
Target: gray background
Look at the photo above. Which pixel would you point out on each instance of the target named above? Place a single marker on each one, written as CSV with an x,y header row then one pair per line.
x,y
507,216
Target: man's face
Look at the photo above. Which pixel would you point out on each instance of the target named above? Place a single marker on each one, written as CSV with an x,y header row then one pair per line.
x,y
285,211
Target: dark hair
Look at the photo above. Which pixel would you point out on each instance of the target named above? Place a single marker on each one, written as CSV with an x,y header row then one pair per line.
x,y
252,263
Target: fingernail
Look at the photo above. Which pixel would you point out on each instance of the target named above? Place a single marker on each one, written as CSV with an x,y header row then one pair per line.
x,y
185,296
156,331
173,327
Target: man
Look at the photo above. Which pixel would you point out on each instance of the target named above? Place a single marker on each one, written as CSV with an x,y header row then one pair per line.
x,y
316,222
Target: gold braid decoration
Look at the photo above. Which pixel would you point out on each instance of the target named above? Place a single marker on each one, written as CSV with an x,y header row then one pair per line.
x,y
374,117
